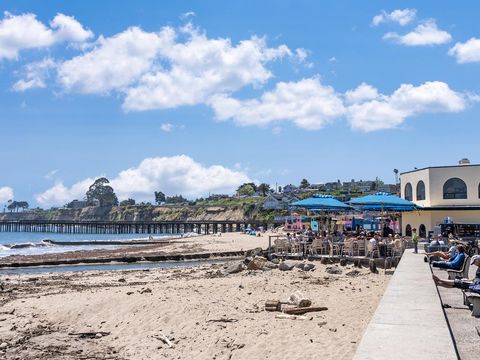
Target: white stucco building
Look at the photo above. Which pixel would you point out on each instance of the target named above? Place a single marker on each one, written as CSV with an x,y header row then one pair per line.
x,y
442,191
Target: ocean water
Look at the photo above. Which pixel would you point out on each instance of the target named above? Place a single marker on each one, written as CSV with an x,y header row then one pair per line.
x,y
108,267
29,243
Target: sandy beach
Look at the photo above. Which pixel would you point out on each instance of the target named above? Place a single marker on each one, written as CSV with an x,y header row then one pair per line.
x,y
203,312
203,244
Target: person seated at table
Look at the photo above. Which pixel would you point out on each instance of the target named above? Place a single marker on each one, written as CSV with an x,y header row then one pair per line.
x,y
445,254
454,263
461,283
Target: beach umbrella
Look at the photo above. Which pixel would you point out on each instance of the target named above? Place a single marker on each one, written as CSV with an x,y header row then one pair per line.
x,y
382,201
321,202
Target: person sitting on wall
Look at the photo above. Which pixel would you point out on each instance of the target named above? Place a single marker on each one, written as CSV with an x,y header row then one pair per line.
x,y
461,283
446,255
454,263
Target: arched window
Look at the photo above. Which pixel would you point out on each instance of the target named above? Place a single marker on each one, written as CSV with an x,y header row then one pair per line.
x,y
420,190
408,192
455,188
408,230
422,231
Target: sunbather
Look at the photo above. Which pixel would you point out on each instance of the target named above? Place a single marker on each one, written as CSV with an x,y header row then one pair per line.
x,y
461,283
455,263
447,255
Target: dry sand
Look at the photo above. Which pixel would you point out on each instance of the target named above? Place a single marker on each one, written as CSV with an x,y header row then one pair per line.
x,y
205,314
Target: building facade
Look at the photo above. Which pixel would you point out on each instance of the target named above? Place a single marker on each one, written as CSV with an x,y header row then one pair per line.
x,y
443,192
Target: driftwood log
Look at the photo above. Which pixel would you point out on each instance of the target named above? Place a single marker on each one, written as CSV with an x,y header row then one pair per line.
x,y
301,311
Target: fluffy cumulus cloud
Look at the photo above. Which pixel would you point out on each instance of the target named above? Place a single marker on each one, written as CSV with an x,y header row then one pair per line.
x,y
200,68
169,68
424,34
20,32
466,52
59,194
308,103
172,175
389,111
400,16
115,62
6,193
35,75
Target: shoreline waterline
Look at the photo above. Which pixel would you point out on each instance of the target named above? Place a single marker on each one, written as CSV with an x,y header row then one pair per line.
x,y
41,269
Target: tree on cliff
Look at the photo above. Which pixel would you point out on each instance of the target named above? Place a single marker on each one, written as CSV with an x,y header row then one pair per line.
x,y
127,202
101,191
15,205
304,184
159,197
264,188
247,189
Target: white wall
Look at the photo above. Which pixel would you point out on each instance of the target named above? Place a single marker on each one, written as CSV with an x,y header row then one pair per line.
x,y
435,178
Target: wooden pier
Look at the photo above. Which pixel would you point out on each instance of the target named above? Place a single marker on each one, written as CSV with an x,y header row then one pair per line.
x,y
125,227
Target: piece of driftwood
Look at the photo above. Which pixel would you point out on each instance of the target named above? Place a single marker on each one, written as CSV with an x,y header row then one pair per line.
x,y
89,334
165,340
291,317
224,320
273,305
301,311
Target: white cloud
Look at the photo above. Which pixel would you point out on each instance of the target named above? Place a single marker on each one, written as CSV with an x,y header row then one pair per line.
x,y
466,52
35,75
172,175
188,14
426,33
400,16
6,193
307,103
167,127
200,68
51,174
386,112
114,62
67,29
169,68
26,32
362,93
59,194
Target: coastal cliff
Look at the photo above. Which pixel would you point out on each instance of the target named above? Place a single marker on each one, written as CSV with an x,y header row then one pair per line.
x,y
148,213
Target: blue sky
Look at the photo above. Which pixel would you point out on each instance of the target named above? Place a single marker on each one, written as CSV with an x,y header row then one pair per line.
x,y
195,97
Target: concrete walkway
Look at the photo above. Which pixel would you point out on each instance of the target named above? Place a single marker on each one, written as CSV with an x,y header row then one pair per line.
x,y
409,322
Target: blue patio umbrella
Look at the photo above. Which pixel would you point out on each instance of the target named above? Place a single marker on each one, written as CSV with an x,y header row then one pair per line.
x,y
321,202
383,201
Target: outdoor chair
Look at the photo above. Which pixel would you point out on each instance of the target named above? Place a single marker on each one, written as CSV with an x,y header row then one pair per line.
x,y
397,249
472,300
372,250
280,246
362,251
463,272
337,249
317,247
295,248
347,249
355,248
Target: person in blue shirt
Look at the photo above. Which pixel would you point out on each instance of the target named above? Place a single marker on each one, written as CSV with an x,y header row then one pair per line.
x,y
454,263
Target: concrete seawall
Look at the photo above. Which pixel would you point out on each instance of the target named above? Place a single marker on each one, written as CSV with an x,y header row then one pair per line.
x,y
409,322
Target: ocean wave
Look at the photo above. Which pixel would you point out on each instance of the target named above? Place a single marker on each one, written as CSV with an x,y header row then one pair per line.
x,y
27,245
